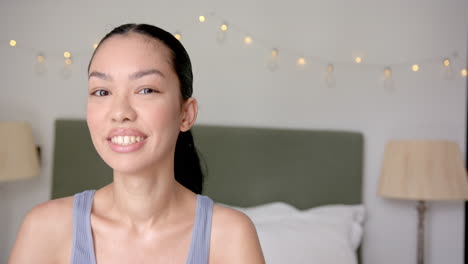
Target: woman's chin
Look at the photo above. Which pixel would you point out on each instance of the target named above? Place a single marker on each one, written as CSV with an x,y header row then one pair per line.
x,y
129,167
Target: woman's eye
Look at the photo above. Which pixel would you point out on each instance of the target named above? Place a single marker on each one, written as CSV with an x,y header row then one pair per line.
x,y
100,93
147,91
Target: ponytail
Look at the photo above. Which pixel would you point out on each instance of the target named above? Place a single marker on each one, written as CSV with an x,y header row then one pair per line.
x,y
187,169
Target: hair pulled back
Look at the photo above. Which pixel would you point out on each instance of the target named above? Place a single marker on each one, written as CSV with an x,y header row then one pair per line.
x,y
187,168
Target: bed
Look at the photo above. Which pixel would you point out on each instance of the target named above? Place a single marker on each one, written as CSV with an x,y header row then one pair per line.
x,y
301,188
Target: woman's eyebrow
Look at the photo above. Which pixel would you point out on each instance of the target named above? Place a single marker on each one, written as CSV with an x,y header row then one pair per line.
x,y
140,74
99,75
133,76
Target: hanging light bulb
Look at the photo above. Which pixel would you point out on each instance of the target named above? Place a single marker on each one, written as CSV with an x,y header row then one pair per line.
x,y
66,70
95,45
274,52
388,78
67,56
415,67
12,42
224,27
446,62
330,76
178,36
222,33
447,69
358,60
39,66
273,60
301,61
464,72
248,40
40,58
202,19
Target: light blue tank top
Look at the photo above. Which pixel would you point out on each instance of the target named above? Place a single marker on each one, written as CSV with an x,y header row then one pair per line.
x,y
83,245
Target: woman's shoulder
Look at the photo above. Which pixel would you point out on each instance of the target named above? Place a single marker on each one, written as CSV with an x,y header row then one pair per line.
x,y
46,229
51,208
234,236
51,212
51,216
227,216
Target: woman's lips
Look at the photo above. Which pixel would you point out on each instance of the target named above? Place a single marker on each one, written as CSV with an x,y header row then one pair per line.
x,y
125,140
125,132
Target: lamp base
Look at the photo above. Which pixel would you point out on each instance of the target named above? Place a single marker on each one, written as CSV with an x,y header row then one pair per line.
x,y
421,207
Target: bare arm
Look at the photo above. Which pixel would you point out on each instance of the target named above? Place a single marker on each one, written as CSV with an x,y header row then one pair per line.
x,y
235,239
42,235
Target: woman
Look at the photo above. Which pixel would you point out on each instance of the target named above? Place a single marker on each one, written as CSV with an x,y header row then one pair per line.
x,y
139,114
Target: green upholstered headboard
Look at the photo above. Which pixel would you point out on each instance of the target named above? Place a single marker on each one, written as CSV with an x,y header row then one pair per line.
x,y
305,168
245,166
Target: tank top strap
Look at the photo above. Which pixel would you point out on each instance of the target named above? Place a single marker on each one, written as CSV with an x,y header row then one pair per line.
x,y
82,244
200,246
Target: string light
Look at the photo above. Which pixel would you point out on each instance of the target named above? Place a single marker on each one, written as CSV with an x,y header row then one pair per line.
x,y
388,72
388,78
329,76
301,61
446,62
39,66
224,27
222,33
67,56
274,52
447,69
273,60
248,40
464,72
40,58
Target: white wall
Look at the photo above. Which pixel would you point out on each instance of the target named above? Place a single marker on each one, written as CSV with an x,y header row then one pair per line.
x,y
234,86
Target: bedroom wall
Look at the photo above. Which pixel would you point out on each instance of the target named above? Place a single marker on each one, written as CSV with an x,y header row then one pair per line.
x,y
234,87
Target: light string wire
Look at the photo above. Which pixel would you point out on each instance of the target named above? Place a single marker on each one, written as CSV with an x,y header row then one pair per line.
x,y
275,51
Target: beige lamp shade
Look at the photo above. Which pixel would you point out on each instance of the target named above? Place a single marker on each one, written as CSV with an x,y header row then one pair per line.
x,y
423,170
18,154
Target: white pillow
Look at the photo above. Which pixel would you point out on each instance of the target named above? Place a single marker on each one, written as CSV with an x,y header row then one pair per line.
x,y
326,234
268,211
304,240
351,215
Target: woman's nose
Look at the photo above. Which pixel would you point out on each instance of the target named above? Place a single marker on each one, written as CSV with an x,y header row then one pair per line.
x,y
122,110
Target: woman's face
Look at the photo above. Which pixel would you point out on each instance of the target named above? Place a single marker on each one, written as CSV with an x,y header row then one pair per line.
x,y
135,110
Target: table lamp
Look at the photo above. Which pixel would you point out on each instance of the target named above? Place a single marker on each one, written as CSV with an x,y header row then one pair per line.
x,y
19,158
423,170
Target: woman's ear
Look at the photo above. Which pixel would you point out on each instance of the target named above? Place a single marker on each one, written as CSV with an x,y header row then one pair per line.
x,y
189,114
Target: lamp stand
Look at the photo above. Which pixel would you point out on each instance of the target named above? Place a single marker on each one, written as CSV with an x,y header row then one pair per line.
x,y
421,211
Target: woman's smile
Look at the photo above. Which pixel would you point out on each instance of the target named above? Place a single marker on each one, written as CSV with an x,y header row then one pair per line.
x,y
126,140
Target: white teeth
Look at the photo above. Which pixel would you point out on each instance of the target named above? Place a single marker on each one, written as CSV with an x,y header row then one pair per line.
x,y
126,140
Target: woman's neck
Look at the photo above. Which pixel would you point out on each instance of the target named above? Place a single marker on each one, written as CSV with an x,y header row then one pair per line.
x,y
146,199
